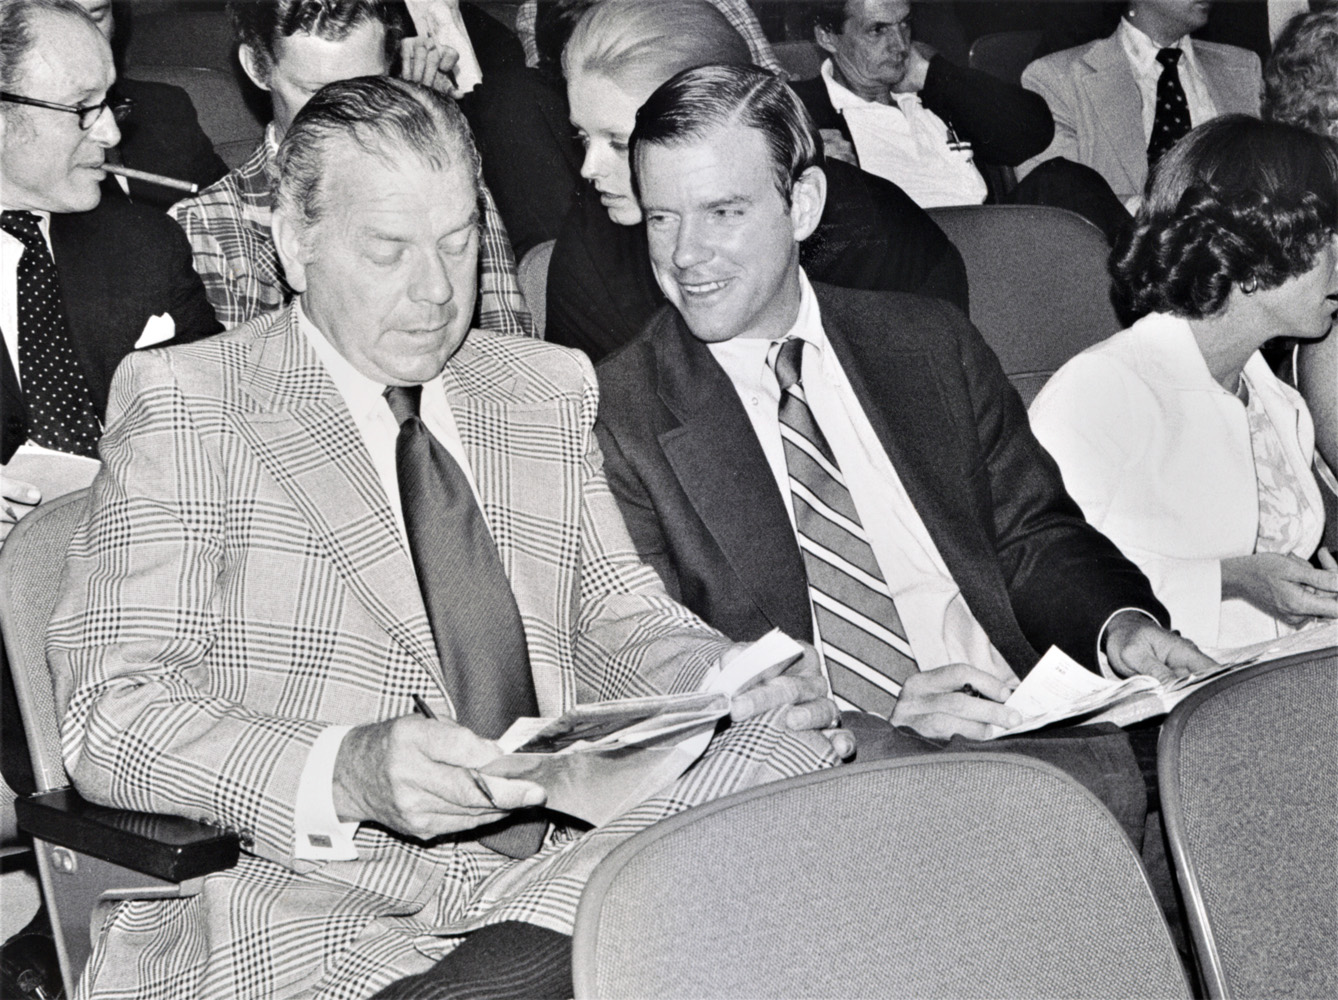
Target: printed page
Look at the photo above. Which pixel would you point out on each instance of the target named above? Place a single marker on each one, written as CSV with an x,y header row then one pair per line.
x,y
1059,687
600,759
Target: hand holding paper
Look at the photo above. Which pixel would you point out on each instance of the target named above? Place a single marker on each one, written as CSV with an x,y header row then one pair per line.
x,y
776,671
934,704
414,775
598,760
1135,644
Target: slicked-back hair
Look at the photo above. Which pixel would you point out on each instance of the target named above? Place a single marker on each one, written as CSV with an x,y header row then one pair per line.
x,y
1301,77
17,37
698,101
1237,201
261,24
638,44
384,117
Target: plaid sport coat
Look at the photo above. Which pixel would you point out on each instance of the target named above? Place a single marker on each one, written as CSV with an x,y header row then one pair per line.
x,y
228,226
240,584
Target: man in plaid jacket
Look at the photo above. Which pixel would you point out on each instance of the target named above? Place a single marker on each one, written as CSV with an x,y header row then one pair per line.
x,y
240,634
290,48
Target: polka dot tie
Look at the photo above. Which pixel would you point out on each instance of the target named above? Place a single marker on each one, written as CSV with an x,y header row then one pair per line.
x,y
1171,119
60,408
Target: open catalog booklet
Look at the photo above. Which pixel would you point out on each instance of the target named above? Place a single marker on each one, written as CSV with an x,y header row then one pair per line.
x,y
599,760
1060,689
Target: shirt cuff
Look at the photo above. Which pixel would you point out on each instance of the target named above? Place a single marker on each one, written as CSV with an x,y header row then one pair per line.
x,y
318,833
1101,660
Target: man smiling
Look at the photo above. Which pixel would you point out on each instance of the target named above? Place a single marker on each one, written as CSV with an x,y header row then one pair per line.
x,y
851,467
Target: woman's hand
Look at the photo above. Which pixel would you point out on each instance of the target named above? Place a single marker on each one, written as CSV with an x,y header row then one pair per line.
x,y
1282,585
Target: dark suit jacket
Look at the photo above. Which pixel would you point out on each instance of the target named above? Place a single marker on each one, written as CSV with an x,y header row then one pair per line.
x,y
531,159
601,291
119,265
1004,123
163,136
703,507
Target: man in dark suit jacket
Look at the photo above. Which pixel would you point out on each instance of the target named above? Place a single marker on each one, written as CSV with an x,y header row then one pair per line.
x,y
161,134
118,265
963,514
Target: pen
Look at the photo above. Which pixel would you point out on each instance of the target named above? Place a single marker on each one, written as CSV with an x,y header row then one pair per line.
x,y
10,512
425,710
160,179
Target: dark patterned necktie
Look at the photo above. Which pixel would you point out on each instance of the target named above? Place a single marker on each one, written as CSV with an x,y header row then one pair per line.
x,y
60,407
470,606
859,631
1170,121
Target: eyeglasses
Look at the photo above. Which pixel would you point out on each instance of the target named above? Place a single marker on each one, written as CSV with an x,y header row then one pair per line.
x,y
88,115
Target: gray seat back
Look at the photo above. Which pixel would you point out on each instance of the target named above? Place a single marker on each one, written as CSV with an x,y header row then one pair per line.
x,y
1249,787
962,875
1039,289
31,562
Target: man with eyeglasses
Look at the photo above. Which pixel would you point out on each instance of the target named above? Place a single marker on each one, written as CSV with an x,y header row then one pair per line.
x,y
83,281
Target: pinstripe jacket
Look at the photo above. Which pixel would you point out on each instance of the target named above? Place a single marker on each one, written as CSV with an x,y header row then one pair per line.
x,y
240,584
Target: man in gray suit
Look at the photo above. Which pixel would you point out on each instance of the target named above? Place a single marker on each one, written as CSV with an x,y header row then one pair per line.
x,y
1120,101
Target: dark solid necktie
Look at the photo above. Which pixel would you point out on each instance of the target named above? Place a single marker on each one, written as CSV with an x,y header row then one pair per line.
x,y
475,622
862,639
60,407
1170,121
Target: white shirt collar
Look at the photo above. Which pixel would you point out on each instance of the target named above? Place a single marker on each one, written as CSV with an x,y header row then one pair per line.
x,y
807,327
842,97
1142,50
364,395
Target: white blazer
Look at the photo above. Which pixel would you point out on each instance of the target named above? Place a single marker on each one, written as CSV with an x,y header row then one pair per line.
x,y
1158,456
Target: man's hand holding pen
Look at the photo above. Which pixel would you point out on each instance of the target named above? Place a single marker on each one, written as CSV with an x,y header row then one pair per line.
x,y
420,776
955,699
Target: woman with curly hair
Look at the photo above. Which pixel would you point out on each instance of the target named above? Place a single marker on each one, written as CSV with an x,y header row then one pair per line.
x,y
1174,436
1301,88
1301,78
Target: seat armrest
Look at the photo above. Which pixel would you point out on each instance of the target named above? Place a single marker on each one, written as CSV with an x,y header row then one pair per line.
x,y
170,848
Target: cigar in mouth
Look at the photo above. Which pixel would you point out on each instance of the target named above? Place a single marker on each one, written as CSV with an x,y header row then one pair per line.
x,y
159,179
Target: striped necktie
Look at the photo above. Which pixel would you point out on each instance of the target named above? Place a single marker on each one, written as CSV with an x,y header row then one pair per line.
x,y
859,631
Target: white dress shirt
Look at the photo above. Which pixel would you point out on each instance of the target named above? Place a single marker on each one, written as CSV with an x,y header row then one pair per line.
x,y
319,834
11,249
940,627
909,145
1142,53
